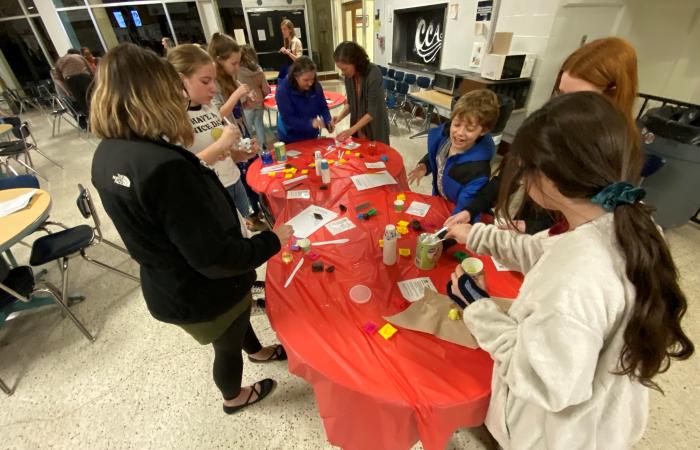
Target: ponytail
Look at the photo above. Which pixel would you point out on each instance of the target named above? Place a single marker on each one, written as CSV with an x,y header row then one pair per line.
x,y
653,335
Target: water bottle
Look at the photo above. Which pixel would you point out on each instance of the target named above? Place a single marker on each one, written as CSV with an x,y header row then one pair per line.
x,y
390,238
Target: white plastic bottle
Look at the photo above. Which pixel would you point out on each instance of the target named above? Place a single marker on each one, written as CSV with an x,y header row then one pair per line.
x,y
325,172
317,162
390,245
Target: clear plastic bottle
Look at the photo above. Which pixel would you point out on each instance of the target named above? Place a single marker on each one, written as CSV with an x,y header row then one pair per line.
x,y
325,172
317,162
390,238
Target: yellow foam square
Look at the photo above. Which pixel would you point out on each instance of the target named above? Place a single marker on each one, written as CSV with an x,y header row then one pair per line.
x,y
387,331
293,170
402,230
342,161
271,174
381,243
304,171
312,165
401,197
331,161
288,176
405,251
357,153
402,223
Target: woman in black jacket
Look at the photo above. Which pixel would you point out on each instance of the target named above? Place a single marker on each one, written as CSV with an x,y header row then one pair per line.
x,y
176,218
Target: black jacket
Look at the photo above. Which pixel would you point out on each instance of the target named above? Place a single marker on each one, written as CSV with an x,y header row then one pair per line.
x,y
180,225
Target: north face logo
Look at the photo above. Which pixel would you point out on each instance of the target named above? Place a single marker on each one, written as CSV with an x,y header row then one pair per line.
x,y
121,180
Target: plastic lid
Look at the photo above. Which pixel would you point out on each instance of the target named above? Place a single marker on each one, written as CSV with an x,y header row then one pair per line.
x,y
472,266
360,293
324,164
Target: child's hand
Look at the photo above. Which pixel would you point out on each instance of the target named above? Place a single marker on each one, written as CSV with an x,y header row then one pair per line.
x,y
242,90
228,140
330,127
459,232
334,121
284,51
417,174
242,156
284,233
317,123
460,217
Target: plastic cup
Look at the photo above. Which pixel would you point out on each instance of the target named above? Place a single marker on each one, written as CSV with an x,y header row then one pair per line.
x,y
398,205
473,266
304,245
360,293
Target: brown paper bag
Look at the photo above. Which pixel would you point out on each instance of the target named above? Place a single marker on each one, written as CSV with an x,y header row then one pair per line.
x,y
429,315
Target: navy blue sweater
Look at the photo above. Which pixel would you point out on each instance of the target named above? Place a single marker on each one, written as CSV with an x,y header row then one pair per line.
x,y
297,109
465,173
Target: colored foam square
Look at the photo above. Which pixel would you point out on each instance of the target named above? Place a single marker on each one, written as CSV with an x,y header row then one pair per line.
x,y
289,175
370,327
381,243
460,256
271,174
405,252
331,161
401,197
357,153
317,266
387,331
314,256
402,223
454,314
312,165
402,230
384,158
293,170
294,248
342,161
304,171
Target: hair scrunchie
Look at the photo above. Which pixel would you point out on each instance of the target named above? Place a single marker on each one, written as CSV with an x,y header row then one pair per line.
x,y
618,193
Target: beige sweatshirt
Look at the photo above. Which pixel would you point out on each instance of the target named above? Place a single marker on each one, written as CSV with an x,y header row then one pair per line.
x,y
556,348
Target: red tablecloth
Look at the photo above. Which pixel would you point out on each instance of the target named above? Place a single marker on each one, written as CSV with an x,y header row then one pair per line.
x,y
276,192
334,99
371,392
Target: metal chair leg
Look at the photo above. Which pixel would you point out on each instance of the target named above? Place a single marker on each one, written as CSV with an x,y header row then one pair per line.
x,y
54,294
110,268
50,160
28,168
115,246
6,389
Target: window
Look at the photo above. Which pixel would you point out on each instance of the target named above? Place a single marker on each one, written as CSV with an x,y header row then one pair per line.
x,y
232,17
62,3
143,25
80,29
44,36
22,52
186,23
9,8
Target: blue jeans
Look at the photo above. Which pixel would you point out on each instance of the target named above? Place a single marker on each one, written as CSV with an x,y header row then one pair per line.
x,y
240,198
254,117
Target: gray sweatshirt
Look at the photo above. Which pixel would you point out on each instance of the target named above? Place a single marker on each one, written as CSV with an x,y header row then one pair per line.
x,y
556,348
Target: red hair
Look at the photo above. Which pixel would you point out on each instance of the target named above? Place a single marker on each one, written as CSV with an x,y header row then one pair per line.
x,y
610,64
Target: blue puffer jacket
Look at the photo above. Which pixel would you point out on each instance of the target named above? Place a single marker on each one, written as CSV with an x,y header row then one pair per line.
x,y
466,173
297,110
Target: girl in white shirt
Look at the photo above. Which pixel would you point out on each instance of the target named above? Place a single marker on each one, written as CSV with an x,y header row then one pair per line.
x,y
198,74
599,313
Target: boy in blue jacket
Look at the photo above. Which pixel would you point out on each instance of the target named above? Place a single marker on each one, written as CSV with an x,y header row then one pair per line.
x,y
460,151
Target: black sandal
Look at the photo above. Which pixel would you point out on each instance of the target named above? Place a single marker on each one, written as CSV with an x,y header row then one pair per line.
x,y
266,387
279,354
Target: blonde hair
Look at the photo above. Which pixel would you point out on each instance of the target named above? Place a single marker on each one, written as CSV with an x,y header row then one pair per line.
x,y
289,25
188,58
138,95
480,104
221,47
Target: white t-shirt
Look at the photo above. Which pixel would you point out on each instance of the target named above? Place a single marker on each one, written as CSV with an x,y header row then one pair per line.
x,y
205,119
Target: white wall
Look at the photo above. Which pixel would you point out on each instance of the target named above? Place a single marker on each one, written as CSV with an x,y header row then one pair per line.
x,y
211,22
53,26
458,34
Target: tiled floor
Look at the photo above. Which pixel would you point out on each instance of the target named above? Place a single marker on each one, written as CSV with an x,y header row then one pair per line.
x,y
144,384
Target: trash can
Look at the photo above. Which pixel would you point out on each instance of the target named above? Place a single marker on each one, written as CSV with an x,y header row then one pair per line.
x,y
673,134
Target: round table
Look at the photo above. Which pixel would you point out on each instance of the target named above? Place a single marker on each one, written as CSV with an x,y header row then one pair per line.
x,y
372,392
333,99
14,227
275,191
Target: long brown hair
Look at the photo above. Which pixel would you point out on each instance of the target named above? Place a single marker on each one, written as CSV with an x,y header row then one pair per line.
x,y
188,58
249,57
580,141
300,66
349,52
220,48
286,23
138,95
610,64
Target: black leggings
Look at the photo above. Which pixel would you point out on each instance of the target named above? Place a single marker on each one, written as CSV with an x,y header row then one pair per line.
x,y
228,361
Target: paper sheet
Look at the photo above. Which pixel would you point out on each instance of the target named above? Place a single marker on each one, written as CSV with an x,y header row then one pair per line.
x,y
413,290
261,35
275,168
372,180
340,225
305,224
18,203
375,165
239,35
293,153
418,209
303,193
350,145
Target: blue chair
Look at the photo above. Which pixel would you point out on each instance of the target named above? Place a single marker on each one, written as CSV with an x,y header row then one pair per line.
x,y
71,242
383,70
401,102
423,83
399,76
410,79
19,181
652,164
390,73
19,292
